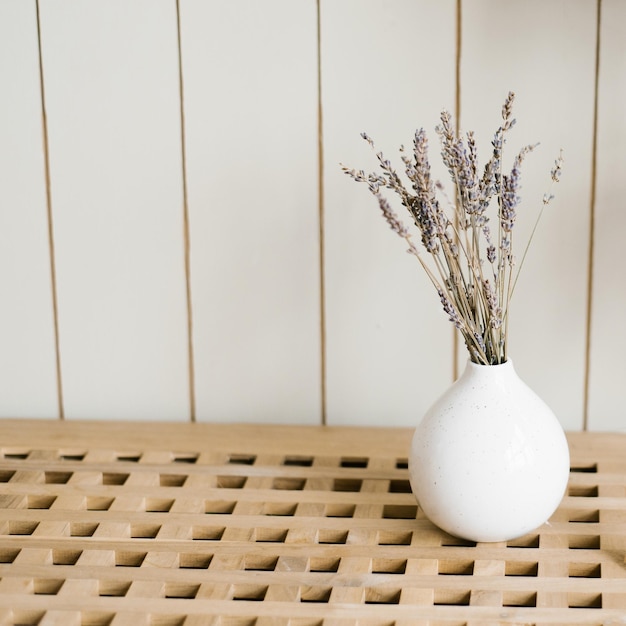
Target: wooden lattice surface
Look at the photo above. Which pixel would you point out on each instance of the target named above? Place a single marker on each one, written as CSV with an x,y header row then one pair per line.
x,y
301,527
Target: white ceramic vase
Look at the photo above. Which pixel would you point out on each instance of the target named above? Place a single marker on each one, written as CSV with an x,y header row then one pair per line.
x,y
489,461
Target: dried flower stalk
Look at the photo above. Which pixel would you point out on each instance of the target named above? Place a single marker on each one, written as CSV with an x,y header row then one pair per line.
x,y
472,269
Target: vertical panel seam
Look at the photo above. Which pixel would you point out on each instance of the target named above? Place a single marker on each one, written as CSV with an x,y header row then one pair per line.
x,y
457,115
321,212
51,245
186,234
592,220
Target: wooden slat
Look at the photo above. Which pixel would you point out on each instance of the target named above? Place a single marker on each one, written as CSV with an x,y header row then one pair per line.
x,y
250,98
210,523
111,79
389,346
27,358
545,53
608,339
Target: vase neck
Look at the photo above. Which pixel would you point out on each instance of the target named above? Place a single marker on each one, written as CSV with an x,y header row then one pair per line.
x,y
477,371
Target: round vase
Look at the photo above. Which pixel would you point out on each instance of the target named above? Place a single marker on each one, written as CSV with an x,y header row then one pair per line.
x,y
489,461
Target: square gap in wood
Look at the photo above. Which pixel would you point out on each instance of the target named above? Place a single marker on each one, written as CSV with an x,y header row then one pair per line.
x,y
280,509
125,558
521,568
584,542
260,563
331,536
72,457
455,567
30,617
339,510
231,482
590,468
128,457
527,541
57,478
114,478
388,566
181,590
113,588
285,483
219,507
250,593
582,491
6,475
39,502
194,560
47,586
395,537
354,461
374,595
298,461
328,565
22,527
8,555
242,459
315,594
16,455
144,531
584,600
400,511
585,570
172,480
270,535
189,458
98,503
83,529
159,505
584,517
452,597
400,486
352,485
207,533
519,598
65,557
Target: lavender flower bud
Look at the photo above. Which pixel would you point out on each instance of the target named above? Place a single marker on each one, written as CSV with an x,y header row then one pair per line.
x,y
368,139
449,309
392,219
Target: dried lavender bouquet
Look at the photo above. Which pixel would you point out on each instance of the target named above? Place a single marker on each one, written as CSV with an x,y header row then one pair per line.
x,y
472,268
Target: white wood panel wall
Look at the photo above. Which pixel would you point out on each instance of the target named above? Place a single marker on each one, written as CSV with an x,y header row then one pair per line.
x,y
385,345
250,93
27,346
608,336
203,257
111,90
545,53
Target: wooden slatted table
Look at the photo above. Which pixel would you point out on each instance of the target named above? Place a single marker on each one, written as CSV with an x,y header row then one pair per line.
x,y
235,525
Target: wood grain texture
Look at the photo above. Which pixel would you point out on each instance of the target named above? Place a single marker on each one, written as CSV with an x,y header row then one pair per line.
x,y
210,523
111,79
387,341
545,53
27,356
250,78
608,338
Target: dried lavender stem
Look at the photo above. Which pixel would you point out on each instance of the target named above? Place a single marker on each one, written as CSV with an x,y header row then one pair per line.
x,y
546,201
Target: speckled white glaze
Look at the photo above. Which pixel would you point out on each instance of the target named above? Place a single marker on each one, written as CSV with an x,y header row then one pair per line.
x,y
489,461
